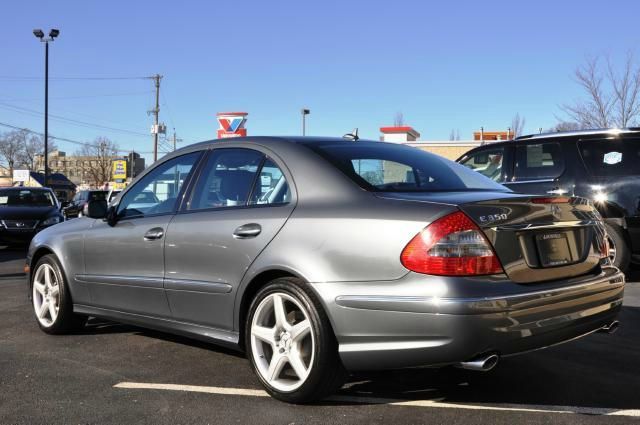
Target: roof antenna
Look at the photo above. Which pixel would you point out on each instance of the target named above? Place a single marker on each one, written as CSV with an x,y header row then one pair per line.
x,y
353,136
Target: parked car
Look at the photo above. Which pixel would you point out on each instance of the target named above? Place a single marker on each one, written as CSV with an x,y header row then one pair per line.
x,y
601,165
24,211
80,200
320,256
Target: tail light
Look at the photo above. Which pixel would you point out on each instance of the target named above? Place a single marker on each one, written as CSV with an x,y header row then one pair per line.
x,y
451,246
551,200
604,247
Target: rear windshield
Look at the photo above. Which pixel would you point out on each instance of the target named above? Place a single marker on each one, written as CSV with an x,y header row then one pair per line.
x,y
395,168
98,195
26,198
611,157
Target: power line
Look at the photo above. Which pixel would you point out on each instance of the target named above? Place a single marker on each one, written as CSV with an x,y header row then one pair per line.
x,y
63,139
71,120
90,96
13,78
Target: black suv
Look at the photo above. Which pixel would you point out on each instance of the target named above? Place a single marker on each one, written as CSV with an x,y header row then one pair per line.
x,y
75,207
600,165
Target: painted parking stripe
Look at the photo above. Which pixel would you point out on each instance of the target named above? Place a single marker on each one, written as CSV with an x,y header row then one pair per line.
x,y
602,411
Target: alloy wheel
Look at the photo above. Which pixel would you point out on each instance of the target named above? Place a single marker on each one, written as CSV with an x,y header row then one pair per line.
x,y
46,295
282,341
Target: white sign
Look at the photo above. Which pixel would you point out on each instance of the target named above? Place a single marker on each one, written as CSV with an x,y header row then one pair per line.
x,y
20,175
612,158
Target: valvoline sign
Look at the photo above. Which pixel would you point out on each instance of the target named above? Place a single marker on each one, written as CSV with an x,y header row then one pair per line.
x,y
231,124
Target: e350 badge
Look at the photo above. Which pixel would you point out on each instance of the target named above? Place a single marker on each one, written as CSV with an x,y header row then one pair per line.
x,y
490,218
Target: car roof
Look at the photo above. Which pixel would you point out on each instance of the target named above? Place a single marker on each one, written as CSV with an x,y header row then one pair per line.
x,y
569,135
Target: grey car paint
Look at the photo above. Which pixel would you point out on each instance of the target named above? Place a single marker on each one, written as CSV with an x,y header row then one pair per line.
x,y
345,242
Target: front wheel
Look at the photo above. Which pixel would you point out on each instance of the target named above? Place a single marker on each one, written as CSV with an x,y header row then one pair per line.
x,y
290,343
51,300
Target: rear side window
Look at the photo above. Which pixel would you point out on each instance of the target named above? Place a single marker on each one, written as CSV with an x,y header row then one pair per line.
x,y
487,162
539,161
385,167
227,179
98,196
611,157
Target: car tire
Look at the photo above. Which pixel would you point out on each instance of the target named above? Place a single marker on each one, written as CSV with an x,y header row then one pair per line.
x,y
307,367
621,254
51,299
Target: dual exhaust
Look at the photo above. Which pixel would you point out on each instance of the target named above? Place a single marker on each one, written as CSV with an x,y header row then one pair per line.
x,y
610,328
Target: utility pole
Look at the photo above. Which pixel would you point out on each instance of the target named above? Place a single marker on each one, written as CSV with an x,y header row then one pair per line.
x,y
175,139
156,112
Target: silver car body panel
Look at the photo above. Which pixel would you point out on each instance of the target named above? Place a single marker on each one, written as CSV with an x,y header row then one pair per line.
x,y
346,243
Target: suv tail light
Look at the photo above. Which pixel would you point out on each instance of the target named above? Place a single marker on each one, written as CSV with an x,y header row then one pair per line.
x,y
451,246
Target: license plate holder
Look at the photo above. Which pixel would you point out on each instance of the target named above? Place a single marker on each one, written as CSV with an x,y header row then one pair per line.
x,y
553,249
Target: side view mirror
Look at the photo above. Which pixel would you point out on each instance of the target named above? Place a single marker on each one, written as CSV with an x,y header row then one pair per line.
x,y
95,209
64,204
112,216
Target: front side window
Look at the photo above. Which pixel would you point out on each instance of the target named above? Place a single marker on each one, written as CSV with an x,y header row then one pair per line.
x,y
487,162
539,161
157,192
227,179
385,167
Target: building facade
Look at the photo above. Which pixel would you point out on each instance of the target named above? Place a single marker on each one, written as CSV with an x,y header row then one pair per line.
x,y
76,168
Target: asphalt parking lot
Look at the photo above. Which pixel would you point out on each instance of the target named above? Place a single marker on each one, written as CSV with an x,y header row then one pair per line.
x,y
113,373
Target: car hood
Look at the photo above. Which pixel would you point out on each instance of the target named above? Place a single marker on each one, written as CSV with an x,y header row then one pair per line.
x,y
26,213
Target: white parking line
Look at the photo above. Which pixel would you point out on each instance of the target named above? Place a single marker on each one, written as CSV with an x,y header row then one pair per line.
x,y
600,411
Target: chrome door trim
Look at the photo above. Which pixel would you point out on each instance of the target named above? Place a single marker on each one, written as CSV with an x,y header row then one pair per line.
x,y
531,181
197,286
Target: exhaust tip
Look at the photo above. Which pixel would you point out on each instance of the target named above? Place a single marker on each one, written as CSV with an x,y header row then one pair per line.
x,y
611,327
482,364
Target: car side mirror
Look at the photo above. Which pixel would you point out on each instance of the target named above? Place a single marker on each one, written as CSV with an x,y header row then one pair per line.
x,y
95,209
64,205
112,216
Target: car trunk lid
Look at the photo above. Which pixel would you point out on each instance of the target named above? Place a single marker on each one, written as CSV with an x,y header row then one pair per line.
x,y
536,238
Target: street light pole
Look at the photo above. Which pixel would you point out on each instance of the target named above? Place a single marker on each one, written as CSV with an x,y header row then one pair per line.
x,y
40,34
304,112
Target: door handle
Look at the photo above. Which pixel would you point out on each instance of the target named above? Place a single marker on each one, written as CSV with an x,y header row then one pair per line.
x,y
250,230
153,234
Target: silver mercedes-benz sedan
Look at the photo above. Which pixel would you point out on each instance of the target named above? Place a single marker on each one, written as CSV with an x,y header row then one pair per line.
x,y
321,256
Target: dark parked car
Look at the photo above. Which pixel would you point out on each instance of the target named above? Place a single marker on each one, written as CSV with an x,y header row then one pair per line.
x,y
76,206
600,165
24,211
319,256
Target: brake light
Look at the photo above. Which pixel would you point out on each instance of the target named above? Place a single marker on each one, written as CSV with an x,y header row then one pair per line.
x,y
604,247
451,246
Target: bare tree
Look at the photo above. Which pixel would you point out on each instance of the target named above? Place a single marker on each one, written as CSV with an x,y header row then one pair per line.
x,y
32,147
517,125
11,148
565,126
612,98
96,166
398,119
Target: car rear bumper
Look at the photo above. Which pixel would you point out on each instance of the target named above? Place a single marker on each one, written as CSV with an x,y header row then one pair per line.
x,y
386,325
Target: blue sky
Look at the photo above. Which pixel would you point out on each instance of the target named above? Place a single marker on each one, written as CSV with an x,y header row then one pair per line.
x,y
444,65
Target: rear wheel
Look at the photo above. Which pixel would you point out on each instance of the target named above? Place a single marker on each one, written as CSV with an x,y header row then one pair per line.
x,y
619,252
51,300
290,343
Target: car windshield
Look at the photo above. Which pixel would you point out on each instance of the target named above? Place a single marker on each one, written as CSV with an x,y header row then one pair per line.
x,y
26,198
386,167
98,195
611,157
